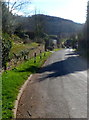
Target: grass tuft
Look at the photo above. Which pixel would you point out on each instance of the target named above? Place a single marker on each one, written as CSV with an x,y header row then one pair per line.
x,y
13,79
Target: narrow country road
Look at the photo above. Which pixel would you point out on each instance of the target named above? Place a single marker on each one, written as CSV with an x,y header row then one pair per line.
x,y
58,90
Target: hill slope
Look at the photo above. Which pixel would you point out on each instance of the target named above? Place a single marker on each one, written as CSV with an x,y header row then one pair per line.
x,y
49,24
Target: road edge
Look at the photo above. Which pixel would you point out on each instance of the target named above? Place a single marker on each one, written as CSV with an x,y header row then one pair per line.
x,y
22,90
19,95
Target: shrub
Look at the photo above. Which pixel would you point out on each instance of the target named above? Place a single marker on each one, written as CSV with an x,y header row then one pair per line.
x,y
6,47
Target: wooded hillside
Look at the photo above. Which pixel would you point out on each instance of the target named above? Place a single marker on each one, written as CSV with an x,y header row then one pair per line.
x,y
51,25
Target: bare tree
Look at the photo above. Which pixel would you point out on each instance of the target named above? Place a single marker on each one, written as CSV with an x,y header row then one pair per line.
x,y
16,5
10,9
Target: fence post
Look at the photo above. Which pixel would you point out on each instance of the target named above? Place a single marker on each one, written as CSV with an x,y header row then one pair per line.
x,y
40,54
34,57
44,54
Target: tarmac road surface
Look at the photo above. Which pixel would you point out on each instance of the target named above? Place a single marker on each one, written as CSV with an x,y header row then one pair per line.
x,y
58,90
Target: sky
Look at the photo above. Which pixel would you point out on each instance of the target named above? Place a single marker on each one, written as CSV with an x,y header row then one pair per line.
x,y
74,10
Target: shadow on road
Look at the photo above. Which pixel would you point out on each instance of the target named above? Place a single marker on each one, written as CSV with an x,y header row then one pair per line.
x,y
61,68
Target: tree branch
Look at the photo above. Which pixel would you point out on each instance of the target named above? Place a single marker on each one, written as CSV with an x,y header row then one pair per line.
x,y
19,5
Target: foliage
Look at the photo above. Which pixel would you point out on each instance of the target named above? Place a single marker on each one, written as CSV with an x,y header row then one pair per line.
x,y
13,79
74,42
19,31
83,37
49,42
16,39
10,10
17,48
87,36
6,47
39,28
22,55
88,18
46,39
7,19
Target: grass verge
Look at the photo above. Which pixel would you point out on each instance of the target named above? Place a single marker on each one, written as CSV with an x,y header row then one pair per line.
x,y
12,80
57,49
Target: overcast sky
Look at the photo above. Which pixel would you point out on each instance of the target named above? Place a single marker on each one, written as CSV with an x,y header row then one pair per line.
x,y
69,9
